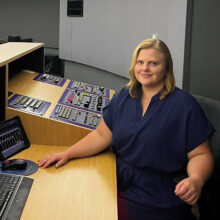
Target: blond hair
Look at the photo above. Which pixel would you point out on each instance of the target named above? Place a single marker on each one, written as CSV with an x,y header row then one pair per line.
x,y
169,81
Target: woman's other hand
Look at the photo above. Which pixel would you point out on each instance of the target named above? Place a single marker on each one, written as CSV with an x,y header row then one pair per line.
x,y
189,190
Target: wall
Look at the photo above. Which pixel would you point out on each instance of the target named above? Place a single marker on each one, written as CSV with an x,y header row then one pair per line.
x,y
106,36
31,19
40,20
203,73
94,76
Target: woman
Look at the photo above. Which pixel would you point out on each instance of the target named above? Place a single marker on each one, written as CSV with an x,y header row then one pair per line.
x,y
156,130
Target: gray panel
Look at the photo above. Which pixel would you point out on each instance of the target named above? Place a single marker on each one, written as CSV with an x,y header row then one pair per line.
x,y
168,18
126,28
65,34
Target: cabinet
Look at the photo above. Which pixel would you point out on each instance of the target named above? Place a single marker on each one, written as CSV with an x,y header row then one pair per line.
x,y
13,58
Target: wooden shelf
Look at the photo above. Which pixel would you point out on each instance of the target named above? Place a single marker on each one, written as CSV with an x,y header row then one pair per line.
x,y
13,51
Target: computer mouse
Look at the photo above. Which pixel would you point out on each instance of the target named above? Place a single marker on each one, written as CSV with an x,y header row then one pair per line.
x,y
14,164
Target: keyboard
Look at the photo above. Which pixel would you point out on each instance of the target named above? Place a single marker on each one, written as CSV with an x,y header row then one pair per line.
x,y
14,191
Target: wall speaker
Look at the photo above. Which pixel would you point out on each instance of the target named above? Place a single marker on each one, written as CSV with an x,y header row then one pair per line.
x,y
75,8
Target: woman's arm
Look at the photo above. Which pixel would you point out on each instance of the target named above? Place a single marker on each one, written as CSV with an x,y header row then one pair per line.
x,y
199,169
93,143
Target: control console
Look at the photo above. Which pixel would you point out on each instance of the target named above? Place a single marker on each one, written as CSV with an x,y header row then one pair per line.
x,y
76,116
85,87
50,79
28,104
83,100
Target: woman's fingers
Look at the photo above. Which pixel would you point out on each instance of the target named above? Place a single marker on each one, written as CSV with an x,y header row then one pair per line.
x,y
188,190
52,158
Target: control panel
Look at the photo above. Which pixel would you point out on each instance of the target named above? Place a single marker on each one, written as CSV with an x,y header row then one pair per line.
x,y
76,116
83,100
50,79
80,104
28,104
88,88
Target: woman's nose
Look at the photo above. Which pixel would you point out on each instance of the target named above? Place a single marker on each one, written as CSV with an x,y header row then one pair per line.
x,y
145,67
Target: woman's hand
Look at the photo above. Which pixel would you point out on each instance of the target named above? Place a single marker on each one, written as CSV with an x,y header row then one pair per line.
x,y
58,158
189,190
199,169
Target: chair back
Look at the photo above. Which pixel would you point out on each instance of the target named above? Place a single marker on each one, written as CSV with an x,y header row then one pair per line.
x,y
210,197
212,110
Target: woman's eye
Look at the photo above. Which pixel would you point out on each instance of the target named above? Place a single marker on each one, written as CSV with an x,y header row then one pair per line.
x,y
153,63
140,62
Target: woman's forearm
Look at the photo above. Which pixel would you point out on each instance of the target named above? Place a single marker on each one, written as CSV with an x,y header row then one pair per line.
x,y
200,167
90,145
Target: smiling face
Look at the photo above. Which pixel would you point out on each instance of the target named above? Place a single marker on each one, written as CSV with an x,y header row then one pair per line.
x,y
150,68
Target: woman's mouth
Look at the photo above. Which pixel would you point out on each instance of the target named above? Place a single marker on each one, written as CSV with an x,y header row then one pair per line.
x,y
146,75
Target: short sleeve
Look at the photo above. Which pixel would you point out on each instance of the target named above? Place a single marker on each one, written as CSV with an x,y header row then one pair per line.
x,y
109,111
199,129
107,115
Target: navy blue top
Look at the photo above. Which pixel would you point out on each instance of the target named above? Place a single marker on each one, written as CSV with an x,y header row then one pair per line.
x,y
150,149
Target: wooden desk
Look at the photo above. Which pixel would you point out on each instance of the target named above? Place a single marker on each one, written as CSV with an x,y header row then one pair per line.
x,y
83,189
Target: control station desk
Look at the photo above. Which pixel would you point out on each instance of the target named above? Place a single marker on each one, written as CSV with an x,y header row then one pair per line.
x,y
82,189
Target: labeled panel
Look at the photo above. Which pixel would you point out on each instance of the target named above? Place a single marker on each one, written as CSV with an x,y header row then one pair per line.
x,y
50,79
28,104
85,87
83,100
76,116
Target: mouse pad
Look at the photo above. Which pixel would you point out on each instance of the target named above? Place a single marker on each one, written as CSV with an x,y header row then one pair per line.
x,y
31,168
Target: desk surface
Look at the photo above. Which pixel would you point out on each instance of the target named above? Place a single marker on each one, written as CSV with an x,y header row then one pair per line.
x,y
82,189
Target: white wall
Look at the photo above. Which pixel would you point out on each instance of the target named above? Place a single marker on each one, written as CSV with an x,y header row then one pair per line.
x,y
106,36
